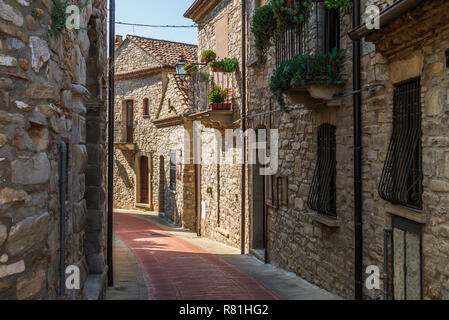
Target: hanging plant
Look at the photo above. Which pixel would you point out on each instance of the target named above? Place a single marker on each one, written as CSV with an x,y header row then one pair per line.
x,y
335,4
263,28
292,14
208,56
303,70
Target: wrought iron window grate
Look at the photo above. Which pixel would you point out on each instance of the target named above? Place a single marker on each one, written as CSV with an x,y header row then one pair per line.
x,y
322,194
289,44
401,181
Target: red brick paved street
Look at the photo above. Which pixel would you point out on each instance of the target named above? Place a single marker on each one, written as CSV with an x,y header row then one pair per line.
x,y
176,269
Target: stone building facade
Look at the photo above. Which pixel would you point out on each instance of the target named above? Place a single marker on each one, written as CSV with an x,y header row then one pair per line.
x,y
52,92
150,130
220,181
320,248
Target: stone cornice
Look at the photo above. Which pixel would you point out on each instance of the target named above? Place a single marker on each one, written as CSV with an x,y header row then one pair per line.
x,y
408,30
199,9
169,122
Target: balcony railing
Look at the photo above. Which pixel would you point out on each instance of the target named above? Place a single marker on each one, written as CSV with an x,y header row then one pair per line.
x,y
202,81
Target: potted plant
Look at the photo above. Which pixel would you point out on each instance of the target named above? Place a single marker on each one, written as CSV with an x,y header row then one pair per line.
x,y
225,65
208,56
216,66
217,97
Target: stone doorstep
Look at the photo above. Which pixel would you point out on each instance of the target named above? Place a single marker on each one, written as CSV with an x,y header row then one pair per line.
x,y
327,221
95,286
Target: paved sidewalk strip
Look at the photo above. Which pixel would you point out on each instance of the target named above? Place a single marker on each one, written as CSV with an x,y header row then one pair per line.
x,y
177,269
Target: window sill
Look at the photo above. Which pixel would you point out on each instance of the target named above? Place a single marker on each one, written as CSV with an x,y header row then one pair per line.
x,y
327,221
406,213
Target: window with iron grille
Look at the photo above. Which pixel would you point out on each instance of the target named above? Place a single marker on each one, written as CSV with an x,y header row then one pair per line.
x,y
322,191
401,181
288,45
173,158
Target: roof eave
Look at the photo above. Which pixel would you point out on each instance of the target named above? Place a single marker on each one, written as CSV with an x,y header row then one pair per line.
x,y
199,9
386,16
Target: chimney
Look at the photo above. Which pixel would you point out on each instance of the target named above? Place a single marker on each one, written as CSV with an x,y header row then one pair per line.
x,y
118,40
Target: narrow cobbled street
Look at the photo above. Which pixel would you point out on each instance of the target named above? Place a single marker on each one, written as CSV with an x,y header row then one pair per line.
x,y
175,264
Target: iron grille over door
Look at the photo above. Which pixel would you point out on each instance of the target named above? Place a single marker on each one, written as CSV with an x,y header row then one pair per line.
x,y
322,192
401,181
407,260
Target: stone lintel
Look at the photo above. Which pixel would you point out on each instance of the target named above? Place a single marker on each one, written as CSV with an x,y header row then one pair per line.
x,y
406,213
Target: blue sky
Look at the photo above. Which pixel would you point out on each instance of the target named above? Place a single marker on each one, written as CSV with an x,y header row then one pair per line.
x,y
155,12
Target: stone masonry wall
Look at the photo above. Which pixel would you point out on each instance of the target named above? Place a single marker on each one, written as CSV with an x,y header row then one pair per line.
x,y
43,101
221,184
325,255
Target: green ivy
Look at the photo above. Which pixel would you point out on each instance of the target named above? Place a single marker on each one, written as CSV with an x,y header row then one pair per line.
x,y
303,70
263,28
296,15
59,16
335,4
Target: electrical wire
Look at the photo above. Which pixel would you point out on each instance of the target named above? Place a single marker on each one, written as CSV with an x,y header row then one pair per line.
x,y
156,25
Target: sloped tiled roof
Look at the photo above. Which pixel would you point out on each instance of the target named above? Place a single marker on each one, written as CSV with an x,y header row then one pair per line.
x,y
167,52
182,89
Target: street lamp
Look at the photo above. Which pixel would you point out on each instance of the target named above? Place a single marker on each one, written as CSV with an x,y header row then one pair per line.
x,y
180,66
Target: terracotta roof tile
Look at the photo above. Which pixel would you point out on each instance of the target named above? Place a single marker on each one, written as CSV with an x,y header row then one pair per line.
x,y
167,52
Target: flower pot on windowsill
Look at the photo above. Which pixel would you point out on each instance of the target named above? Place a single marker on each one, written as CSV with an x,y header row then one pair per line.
x,y
221,106
214,69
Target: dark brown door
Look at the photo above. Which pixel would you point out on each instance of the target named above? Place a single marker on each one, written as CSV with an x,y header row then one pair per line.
x,y
198,198
144,180
129,122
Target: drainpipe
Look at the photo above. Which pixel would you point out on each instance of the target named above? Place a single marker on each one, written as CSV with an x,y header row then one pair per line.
x,y
62,199
387,231
111,98
357,117
243,125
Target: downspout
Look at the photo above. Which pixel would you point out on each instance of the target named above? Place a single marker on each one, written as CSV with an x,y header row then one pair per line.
x,y
357,118
243,235
111,99
62,199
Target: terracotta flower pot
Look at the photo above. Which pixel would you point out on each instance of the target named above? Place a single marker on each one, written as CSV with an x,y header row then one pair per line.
x,y
221,106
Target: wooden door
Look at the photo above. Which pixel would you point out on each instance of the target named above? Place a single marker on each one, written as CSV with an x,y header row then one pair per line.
x,y
129,122
144,191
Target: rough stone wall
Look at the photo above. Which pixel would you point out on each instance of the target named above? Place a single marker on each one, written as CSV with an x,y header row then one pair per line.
x,y
43,101
325,255
132,58
221,184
